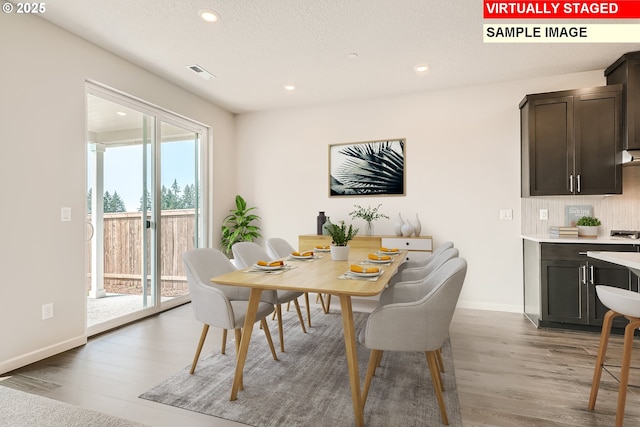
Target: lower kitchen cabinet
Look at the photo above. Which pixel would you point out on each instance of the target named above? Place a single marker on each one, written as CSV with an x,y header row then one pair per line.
x,y
560,292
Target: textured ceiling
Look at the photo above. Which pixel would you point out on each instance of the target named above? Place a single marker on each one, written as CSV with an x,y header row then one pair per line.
x,y
259,46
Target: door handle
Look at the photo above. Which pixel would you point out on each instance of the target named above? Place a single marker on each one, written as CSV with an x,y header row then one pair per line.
x,y
571,183
592,275
578,183
583,274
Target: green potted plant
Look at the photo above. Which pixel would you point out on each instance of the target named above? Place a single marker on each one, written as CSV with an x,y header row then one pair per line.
x,y
238,226
588,226
341,235
369,215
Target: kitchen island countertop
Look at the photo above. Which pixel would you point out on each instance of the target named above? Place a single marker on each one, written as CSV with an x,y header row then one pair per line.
x,y
605,240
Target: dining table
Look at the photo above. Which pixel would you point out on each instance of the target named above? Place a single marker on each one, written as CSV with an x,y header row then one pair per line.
x,y
316,274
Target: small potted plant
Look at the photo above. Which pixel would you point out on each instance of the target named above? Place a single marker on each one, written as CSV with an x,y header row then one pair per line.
x,y
341,235
588,226
369,215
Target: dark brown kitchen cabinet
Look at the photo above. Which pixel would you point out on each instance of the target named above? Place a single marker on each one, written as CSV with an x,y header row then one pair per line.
x,y
571,142
560,292
626,71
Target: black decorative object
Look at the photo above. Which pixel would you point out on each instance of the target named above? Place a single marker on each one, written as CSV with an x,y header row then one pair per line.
x,y
321,219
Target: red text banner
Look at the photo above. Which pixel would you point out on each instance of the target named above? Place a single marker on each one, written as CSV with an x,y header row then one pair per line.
x,y
622,9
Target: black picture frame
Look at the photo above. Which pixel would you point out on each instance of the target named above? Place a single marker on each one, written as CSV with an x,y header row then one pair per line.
x,y
370,168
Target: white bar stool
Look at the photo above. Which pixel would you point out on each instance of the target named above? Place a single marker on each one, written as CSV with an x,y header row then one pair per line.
x,y
620,302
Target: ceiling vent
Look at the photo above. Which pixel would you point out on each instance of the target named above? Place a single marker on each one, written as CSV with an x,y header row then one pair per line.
x,y
201,72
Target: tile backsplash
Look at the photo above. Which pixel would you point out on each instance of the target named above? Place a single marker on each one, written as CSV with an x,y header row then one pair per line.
x,y
618,212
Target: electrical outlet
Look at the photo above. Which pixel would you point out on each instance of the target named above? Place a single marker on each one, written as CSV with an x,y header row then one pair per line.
x,y
65,214
47,311
506,213
544,214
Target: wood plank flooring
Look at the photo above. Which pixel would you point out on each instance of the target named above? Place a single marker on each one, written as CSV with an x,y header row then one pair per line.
x,y
508,372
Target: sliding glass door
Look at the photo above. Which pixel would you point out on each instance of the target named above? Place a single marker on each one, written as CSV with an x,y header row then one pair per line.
x,y
143,208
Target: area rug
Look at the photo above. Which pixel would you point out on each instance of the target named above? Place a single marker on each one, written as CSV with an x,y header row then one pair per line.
x,y
20,409
309,384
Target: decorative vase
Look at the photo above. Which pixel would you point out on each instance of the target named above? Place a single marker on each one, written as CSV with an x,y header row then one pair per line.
x,y
418,227
397,226
407,229
321,219
326,224
339,253
369,229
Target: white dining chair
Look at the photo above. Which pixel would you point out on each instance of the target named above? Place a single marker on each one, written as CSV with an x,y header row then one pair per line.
x,y
419,273
620,302
247,254
279,248
421,262
418,319
219,305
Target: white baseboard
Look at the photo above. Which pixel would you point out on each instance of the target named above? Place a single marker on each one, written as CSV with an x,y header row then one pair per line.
x,y
491,307
43,353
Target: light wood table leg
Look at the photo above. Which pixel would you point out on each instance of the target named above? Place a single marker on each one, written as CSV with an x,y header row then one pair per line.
x,y
249,320
352,358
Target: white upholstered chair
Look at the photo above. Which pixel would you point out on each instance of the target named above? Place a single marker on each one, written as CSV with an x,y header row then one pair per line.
x,y
248,253
219,305
417,319
280,248
421,262
419,273
620,302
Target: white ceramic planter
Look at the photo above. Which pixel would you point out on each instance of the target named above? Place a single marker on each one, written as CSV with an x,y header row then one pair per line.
x,y
588,231
339,253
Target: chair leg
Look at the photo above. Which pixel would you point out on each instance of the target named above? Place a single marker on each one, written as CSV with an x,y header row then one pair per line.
x,y
602,351
238,339
634,323
437,386
306,303
267,334
374,359
203,336
297,305
280,333
223,347
435,355
288,305
379,359
440,361
328,304
319,297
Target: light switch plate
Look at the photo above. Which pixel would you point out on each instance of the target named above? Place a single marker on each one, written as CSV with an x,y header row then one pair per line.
x,y
506,213
544,214
65,214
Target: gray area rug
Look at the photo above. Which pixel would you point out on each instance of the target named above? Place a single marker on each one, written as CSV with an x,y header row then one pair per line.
x,y
309,385
20,409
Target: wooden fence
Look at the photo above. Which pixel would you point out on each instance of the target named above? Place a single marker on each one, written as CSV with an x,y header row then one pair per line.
x,y
123,251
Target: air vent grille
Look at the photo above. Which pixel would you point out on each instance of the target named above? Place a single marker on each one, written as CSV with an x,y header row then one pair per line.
x,y
201,72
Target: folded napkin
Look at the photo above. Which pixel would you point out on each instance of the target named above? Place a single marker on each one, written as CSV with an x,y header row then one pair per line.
x,y
360,269
379,257
389,250
322,247
270,263
307,253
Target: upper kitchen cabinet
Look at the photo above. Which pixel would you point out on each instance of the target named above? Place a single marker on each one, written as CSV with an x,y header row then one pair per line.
x,y
626,71
571,142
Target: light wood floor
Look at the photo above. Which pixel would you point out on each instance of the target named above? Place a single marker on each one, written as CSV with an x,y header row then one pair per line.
x,y
508,373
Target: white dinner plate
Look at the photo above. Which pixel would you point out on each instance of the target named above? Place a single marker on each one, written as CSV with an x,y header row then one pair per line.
x,y
388,253
301,257
366,274
321,250
266,267
380,261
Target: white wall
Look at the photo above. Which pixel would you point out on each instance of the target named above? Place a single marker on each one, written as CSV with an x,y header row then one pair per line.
x,y
462,165
42,168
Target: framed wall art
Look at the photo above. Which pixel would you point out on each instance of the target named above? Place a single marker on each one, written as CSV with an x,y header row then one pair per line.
x,y
372,168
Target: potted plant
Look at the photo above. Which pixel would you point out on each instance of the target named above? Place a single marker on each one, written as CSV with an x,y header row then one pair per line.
x,y
238,226
588,226
341,235
369,215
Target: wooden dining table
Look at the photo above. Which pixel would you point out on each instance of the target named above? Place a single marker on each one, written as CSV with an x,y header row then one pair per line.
x,y
318,275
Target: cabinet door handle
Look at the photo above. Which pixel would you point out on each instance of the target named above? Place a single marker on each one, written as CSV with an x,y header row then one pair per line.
x,y
592,275
571,183
583,274
578,182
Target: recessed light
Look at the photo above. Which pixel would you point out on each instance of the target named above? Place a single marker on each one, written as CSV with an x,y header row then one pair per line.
x,y
352,55
421,68
209,15
121,113
289,87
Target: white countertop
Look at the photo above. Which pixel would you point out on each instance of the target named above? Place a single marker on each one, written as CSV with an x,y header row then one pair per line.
x,y
605,240
630,260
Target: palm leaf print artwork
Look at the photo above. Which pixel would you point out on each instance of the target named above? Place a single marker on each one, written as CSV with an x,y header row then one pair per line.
x,y
369,168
